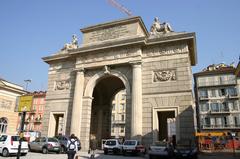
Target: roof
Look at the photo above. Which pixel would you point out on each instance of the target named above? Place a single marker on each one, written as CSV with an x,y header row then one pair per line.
x,y
214,69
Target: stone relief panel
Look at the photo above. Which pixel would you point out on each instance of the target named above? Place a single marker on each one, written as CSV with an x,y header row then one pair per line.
x,y
6,104
164,75
113,54
62,85
165,50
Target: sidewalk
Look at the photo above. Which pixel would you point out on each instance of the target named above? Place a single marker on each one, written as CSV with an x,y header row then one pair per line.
x,y
219,155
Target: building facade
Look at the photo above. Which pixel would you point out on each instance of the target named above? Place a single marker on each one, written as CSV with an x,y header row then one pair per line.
x,y
217,99
8,101
153,67
33,119
118,115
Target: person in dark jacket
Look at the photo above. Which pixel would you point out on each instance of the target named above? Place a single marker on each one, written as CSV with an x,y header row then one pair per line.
x,y
93,146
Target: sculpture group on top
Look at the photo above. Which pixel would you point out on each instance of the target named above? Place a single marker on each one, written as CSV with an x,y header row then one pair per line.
x,y
157,27
72,45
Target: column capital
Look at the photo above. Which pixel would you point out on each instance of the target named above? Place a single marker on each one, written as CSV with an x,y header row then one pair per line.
x,y
81,69
136,63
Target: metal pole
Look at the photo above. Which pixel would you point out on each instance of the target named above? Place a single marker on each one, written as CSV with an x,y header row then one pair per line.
x,y
21,134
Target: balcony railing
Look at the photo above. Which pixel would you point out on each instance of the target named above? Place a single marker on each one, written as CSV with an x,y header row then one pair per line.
x,y
118,122
222,126
203,98
216,83
223,111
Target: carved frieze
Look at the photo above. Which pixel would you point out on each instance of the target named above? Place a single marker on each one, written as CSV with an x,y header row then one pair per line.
x,y
166,50
164,75
62,85
113,54
5,104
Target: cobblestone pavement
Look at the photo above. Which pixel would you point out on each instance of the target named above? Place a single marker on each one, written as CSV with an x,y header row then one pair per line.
x,y
100,155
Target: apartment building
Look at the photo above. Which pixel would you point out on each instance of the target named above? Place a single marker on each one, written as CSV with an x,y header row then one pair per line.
x,y
8,100
33,119
118,115
217,98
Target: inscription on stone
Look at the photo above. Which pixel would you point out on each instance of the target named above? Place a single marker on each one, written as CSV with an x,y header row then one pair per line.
x,y
109,33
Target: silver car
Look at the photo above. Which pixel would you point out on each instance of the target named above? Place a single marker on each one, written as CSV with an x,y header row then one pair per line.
x,y
45,145
161,149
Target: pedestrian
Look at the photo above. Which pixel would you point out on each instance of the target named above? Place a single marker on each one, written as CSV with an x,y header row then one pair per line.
x,y
72,147
93,146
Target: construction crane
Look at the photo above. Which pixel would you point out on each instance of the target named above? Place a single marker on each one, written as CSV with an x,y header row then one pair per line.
x,y
120,7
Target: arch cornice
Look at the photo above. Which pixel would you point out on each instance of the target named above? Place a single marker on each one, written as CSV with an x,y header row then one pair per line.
x,y
93,81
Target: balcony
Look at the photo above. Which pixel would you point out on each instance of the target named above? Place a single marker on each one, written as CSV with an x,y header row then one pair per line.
x,y
216,83
223,111
38,120
231,126
232,96
33,111
118,122
203,98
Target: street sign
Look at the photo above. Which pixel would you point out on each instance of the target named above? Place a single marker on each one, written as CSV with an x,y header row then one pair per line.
x,y
25,103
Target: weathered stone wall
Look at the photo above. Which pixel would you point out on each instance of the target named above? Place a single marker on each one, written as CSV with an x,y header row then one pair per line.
x,y
61,83
170,88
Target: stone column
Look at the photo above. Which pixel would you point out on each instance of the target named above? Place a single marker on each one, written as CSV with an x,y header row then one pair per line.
x,y
136,123
100,123
77,103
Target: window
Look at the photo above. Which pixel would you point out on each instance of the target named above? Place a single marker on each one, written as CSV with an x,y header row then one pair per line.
x,y
112,129
3,125
224,121
203,93
222,92
224,107
123,96
213,92
235,105
113,107
214,107
122,106
204,107
3,138
113,117
232,91
122,129
123,118
235,121
207,121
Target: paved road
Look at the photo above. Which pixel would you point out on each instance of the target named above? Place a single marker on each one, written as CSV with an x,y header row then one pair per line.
x,y
84,155
35,155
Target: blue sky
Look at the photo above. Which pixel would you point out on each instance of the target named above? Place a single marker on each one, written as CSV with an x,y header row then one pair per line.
x,y
32,29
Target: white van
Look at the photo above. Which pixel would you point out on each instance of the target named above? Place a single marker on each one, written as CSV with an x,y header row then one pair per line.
x,y
9,145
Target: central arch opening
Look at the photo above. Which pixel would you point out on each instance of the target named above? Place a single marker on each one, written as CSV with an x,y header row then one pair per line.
x,y
108,109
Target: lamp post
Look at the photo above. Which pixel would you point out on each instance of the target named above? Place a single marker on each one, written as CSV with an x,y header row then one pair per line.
x,y
27,81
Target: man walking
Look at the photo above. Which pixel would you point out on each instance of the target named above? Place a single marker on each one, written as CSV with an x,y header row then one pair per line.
x,y
72,147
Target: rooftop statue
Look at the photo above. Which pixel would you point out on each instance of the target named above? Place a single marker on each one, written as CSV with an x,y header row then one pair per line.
x,y
157,27
72,45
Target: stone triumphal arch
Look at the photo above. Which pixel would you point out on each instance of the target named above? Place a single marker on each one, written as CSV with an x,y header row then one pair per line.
x,y
153,67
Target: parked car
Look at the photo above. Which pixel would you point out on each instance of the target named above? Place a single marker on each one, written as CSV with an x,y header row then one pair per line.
x,y
186,149
112,146
161,149
45,145
64,140
133,146
9,145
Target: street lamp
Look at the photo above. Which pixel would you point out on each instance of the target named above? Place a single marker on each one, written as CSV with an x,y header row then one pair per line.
x,y
27,81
